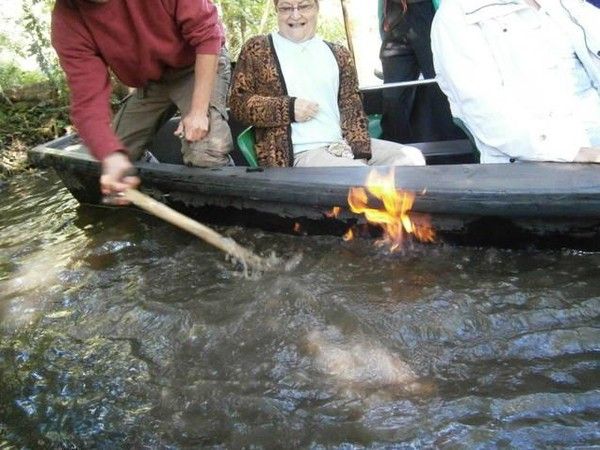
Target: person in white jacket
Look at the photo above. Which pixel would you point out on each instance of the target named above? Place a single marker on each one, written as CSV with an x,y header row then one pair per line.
x,y
523,76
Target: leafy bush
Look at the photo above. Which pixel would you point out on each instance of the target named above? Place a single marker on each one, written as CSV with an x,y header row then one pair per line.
x,y
13,77
246,18
26,124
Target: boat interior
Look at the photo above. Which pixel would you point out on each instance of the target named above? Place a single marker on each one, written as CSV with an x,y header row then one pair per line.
x,y
165,147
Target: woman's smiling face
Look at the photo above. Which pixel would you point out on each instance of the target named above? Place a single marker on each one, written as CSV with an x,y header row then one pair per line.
x,y
297,20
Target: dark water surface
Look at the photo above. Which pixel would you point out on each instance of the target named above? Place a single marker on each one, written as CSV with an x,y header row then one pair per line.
x,y
118,331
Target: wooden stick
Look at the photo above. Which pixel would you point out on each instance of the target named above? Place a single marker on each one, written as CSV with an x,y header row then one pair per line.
x,y
348,29
228,245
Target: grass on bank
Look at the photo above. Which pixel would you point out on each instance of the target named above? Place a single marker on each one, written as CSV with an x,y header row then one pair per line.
x,y
31,112
25,124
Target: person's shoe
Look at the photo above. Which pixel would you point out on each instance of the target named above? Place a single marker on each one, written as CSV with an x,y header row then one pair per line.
x,y
149,157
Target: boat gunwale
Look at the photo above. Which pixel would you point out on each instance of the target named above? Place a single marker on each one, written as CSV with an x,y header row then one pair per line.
x,y
563,189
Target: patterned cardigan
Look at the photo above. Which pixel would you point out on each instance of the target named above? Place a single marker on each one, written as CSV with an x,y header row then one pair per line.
x,y
259,97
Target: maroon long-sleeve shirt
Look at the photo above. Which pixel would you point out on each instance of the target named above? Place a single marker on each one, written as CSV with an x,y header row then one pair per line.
x,y
137,40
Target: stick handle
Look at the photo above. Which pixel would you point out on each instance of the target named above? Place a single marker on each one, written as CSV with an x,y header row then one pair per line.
x,y
209,235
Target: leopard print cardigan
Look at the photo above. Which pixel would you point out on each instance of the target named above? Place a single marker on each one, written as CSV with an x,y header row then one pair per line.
x,y
259,97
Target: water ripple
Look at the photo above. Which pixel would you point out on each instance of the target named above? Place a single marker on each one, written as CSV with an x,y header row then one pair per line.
x,y
118,331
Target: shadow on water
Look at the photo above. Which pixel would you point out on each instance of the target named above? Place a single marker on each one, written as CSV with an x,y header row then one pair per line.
x,y
118,331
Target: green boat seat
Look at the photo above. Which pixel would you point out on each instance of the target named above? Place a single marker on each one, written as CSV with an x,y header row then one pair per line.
x,y
246,140
375,130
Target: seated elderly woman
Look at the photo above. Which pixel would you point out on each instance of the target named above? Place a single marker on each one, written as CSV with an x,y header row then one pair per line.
x,y
301,95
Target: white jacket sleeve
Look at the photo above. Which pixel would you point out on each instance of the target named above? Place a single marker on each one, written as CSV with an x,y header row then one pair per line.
x,y
503,127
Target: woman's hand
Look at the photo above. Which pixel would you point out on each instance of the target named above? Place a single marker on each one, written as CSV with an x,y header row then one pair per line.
x,y
305,110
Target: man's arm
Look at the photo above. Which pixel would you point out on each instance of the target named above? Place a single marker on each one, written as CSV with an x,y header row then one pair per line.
x,y
199,25
194,125
89,83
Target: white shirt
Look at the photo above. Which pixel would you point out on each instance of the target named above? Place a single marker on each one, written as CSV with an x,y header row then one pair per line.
x,y
525,82
311,72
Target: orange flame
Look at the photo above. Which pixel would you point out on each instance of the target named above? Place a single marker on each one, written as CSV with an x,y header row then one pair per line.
x,y
334,213
393,216
349,235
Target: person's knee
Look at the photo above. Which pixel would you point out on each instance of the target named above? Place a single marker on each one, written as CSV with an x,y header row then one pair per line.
x,y
389,154
208,152
413,156
213,150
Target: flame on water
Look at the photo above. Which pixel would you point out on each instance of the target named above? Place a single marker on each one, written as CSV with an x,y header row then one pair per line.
x,y
393,214
349,235
334,213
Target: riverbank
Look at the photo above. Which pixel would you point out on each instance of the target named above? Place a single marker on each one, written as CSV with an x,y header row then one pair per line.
x,y
13,160
29,116
34,113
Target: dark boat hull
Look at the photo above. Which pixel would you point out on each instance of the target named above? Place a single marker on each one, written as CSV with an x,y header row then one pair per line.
x,y
544,204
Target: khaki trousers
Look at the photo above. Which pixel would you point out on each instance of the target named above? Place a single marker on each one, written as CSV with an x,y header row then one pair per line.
x,y
146,109
383,153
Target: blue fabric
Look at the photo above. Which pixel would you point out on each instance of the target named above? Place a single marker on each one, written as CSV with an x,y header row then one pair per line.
x,y
596,3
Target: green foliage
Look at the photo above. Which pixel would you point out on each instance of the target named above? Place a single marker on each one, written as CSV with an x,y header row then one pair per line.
x,y
26,124
36,28
246,18
30,123
13,77
33,105
332,30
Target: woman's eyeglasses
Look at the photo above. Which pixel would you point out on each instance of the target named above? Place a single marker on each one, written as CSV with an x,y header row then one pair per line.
x,y
287,10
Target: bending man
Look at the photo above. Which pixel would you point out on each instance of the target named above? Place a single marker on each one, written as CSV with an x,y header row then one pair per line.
x,y
171,51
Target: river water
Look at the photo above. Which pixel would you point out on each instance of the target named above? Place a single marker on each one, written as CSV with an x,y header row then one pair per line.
x,y
119,331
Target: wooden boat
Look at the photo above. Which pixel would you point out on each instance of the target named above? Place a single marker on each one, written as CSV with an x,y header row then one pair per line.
x,y
542,204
